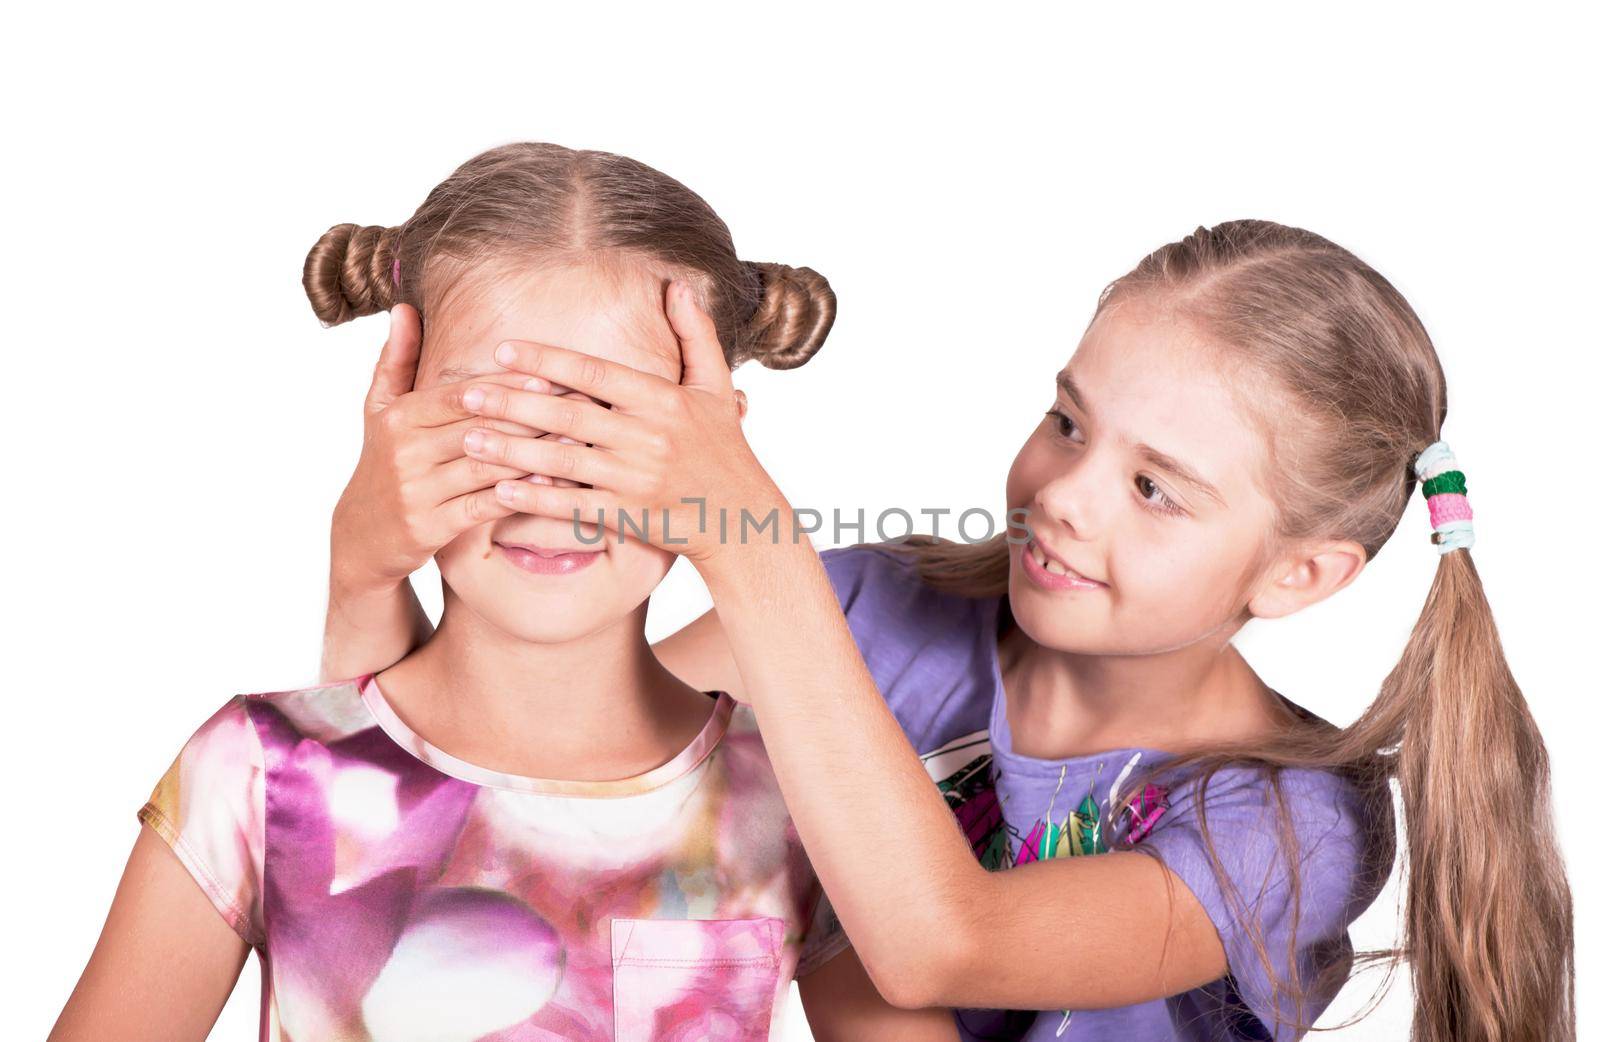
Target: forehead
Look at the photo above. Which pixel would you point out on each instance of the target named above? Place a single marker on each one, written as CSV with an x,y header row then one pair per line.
x,y
611,311
1149,376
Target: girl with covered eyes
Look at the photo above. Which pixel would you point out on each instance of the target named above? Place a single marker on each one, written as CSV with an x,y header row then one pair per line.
x,y
527,828
1174,850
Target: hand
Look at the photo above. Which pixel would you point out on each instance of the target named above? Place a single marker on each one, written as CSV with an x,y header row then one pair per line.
x,y
413,490
671,456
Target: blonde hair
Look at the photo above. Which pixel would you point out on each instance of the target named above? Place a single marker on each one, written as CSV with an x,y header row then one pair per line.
x,y
1487,925
533,202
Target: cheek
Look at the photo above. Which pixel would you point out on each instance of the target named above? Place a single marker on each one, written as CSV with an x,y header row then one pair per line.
x,y
463,562
1193,572
640,566
474,543
1030,471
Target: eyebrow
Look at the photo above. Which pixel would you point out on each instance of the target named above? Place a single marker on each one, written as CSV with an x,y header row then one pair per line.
x,y
1156,458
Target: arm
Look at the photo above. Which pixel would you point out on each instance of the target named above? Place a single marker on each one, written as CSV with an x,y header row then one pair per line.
x,y
699,655
842,1006
369,627
165,962
411,493
931,926
850,778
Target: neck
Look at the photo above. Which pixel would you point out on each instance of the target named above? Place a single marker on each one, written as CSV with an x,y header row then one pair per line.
x,y
1062,703
598,707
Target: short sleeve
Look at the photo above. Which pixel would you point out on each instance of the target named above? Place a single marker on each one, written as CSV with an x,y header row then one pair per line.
x,y
1311,932
209,807
825,936
930,652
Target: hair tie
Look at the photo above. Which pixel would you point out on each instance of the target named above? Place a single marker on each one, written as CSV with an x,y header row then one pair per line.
x,y
394,272
1446,490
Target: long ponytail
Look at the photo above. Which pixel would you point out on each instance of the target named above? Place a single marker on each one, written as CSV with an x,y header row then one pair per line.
x,y
1488,913
1355,394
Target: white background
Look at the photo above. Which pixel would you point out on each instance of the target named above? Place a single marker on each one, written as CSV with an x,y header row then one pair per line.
x,y
179,425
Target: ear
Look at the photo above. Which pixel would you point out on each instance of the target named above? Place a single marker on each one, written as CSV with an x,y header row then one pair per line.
x,y
1306,575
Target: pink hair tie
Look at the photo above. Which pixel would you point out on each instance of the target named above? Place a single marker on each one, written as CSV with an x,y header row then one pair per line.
x,y
1446,490
394,272
1448,506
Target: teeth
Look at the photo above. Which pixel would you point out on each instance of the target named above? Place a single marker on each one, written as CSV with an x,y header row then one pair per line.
x,y
1050,565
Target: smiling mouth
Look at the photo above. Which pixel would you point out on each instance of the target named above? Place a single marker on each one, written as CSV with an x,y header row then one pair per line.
x,y
1054,571
547,560
548,551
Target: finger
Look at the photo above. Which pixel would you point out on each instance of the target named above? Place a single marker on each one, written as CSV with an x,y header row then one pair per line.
x,y
463,475
474,508
589,505
556,459
620,385
574,417
704,365
442,404
396,371
441,444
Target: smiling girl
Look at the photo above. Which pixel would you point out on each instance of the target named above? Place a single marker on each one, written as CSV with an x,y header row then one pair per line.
x,y
1237,435
528,828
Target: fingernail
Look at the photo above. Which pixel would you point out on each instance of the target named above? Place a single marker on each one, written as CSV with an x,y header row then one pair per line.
x,y
473,398
536,383
475,441
504,492
505,354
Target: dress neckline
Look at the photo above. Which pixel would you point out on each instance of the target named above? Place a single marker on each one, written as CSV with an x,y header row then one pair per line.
x,y
679,765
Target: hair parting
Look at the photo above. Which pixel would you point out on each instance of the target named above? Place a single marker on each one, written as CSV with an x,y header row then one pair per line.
x,y
531,203
1487,926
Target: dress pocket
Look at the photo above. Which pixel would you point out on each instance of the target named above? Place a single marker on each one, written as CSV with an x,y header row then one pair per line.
x,y
695,980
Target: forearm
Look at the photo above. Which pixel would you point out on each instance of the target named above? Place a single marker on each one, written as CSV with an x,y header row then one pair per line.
x,y
369,626
894,862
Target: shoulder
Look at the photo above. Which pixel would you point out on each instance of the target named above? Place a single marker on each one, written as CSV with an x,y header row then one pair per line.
x,y
1282,862
881,590
324,713
930,652
866,577
1318,803
1311,843
229,741
225,741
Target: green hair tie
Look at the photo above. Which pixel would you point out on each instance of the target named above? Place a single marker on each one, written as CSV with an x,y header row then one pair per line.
x,y
1449,481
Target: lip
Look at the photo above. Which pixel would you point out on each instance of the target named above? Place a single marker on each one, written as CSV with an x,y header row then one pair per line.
x,y
1049,580
545,560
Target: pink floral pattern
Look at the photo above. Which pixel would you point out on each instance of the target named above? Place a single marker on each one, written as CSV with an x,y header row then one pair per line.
x,y
397,894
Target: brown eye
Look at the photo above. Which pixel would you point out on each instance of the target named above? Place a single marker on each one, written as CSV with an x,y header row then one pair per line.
x,y
1064,424
1154,497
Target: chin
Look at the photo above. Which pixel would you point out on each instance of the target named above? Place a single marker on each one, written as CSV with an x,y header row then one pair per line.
x,y
550,608
1076,623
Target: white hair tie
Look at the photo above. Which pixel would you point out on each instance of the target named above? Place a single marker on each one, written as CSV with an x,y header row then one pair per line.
x,y
1445,488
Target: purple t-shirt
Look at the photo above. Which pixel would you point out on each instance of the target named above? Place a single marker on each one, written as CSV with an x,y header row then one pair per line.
x,y
934,658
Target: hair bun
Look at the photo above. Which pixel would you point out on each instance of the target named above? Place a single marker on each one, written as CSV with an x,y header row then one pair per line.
x,y
348,272
793,317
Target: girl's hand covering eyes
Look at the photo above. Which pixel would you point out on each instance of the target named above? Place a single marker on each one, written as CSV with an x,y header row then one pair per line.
x,y
666,462
413,490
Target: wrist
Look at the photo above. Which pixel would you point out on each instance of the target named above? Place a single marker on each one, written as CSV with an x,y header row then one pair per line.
x,y
750,563
348,583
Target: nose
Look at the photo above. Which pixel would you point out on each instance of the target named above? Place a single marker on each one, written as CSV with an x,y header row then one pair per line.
x,y
1074,500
